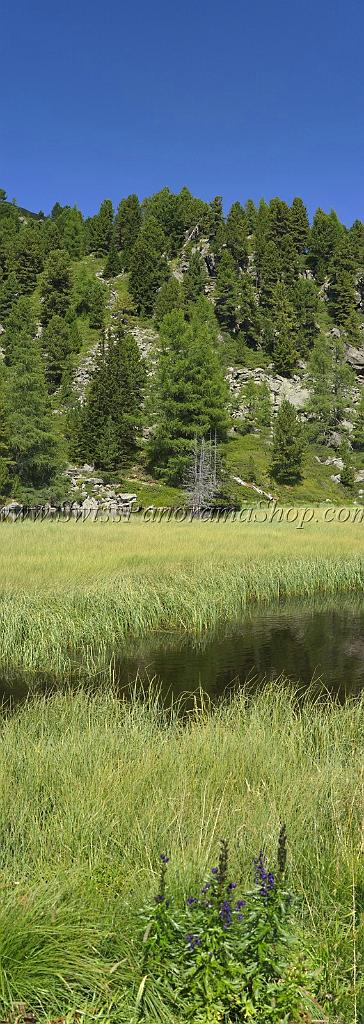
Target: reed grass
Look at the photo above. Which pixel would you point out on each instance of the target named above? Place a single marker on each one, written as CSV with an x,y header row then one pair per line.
x,y
70,593
93,789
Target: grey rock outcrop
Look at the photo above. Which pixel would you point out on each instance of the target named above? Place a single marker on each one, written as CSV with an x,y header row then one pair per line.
x,y
292,388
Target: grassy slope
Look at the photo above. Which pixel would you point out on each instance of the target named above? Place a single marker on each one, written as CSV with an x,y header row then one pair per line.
x,y
123,579
92,790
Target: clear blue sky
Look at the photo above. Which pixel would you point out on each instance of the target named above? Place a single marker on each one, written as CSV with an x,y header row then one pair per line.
x,y
241,99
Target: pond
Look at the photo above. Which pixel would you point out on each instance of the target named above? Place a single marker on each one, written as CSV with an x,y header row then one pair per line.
x,y
321,643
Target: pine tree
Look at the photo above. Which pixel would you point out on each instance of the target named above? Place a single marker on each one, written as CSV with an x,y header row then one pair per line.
x,y
35,447
341,296
227,293
304,298
103,227
255,397
285,331
195,278
148,271
189,395
268,268
251,216
237,236
57,347
279,221
9,292
248,312
170,297
26,259
128,222
216,218
112,420
300,227
113,265
324,236
56,285
71,229
331,379
288,445
21,319
354,335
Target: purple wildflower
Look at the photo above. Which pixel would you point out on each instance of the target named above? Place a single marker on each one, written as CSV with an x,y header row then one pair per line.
x,y
232,885
193,941
191,900
225,913
164,858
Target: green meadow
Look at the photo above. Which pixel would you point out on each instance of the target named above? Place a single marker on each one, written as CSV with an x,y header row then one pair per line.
x,y
70,593
93,789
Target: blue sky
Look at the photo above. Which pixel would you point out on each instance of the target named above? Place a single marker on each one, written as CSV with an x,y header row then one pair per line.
x,y
240,99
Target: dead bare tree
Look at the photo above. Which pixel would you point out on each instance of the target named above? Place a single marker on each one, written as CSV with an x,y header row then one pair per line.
x,y
202,477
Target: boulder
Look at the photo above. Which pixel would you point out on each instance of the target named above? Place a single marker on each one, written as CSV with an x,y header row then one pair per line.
x,y
355,356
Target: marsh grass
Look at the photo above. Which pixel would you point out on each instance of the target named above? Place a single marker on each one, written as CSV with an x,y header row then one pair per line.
x,y
92,789
71,593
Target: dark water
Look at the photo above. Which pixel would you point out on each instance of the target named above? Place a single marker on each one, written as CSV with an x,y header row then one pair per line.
x,y
323,643
320,643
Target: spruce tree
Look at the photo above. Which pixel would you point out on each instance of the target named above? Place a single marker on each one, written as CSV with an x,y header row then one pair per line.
x,y
71,229
248,312
57,347
250,216
325,234
227,293
112,413
279,220
353,332
113,265
169,298
9,292
304,297
26,259
35,447
56,285
189,395
341,296
195,278
148,271
216,218
330,378
21,319
288,445
299,226
128,222
285,331
237,236
268,268
103,227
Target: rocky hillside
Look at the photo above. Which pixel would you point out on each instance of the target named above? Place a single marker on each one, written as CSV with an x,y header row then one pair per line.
x,y
284,313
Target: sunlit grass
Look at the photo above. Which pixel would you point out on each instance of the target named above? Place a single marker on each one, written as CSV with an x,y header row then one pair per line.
x,y
92,790
71,593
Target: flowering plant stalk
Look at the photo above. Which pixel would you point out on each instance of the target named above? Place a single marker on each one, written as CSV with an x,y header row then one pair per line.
x,y
228,956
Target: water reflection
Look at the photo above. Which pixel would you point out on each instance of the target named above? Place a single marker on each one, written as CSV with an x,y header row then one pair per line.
x,y
303,642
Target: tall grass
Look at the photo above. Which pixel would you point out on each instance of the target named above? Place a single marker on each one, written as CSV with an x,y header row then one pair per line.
x,y
70,593
93,789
